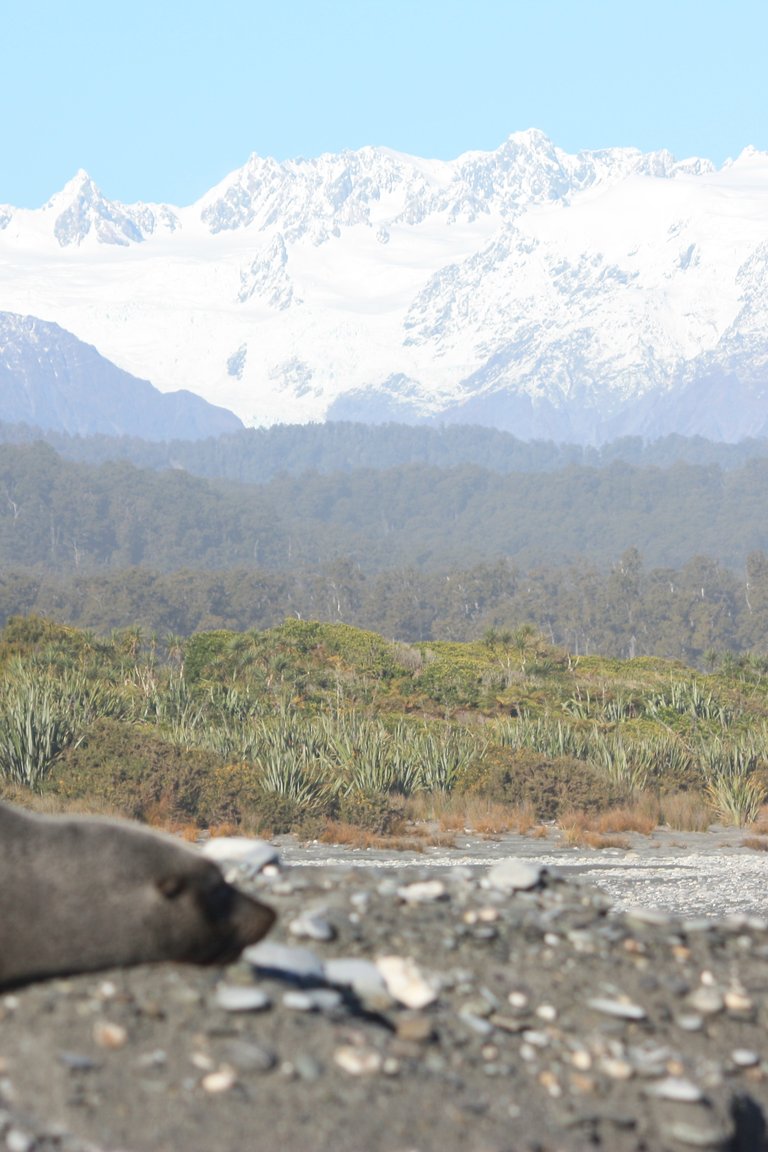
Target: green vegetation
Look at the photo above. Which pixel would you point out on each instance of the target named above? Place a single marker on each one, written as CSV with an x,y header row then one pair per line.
x,y
311,725
79,518
617,558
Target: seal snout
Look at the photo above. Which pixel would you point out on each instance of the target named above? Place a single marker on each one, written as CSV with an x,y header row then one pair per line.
x,y
237,920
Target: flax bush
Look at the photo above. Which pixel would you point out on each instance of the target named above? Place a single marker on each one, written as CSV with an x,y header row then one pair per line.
x,y
42,714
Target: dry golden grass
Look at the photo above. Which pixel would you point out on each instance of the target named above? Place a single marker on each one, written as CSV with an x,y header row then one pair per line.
x,y
626,818
686,812
760,826
478,814
351,836
759,843
577,829
226,828
604,829
51,804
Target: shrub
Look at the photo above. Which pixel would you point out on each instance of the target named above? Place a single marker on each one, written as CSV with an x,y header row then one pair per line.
x,y
548,786
372,811
134,770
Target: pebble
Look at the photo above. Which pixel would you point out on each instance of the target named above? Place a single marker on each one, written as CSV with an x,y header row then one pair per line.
x,y
312,926
18,1141
690,1022
617,1069
706,1000
240,853
298,964
675,1088
362,976
219,1081
246,1056
654,917
242,998
313,1000
622,1009
707,1134
417,1028
513,875
78,1062
423,892
307,1068
738,1003
108,1035
478,1024
405,981
358,1061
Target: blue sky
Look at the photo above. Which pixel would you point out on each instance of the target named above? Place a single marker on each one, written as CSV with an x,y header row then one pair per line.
x,y
160,100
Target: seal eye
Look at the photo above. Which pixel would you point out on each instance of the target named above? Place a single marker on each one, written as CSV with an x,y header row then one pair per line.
x,y
171,886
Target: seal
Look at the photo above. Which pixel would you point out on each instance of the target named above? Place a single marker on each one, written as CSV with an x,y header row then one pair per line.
x,y
81,893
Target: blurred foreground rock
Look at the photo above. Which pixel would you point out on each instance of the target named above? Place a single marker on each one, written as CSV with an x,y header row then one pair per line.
x,y
459,1010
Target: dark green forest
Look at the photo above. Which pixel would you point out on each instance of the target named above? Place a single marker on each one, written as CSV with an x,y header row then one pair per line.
x,y
610,556
62,516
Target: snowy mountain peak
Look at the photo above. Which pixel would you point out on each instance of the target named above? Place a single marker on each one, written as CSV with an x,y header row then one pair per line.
x,y
80,212
572,296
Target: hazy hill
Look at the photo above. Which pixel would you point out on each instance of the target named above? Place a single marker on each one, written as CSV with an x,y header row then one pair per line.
x,y
52,380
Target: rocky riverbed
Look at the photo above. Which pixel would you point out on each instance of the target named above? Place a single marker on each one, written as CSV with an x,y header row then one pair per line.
x,y
474,1006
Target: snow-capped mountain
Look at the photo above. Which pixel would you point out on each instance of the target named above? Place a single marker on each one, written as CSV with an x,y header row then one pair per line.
x,y
568,296
52,380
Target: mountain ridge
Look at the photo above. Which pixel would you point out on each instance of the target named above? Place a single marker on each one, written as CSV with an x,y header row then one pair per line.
x,y
573,297
53,381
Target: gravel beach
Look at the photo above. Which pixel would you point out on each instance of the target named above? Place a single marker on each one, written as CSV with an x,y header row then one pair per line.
x,y
506,995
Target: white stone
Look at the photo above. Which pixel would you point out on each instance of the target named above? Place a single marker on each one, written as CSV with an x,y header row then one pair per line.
x,y
358,1061
240,852
513,875
422,892
675,1088
241,998
405,982
220,1081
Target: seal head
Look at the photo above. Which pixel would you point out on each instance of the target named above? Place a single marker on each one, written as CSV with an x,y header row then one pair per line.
x,y
78,894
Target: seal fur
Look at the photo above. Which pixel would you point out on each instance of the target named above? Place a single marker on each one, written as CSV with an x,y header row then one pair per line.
x,y
78,894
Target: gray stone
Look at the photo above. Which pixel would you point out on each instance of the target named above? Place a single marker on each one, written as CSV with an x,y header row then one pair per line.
x,y
245,1056
622,1009
362,976
299,964
313,1000
312,926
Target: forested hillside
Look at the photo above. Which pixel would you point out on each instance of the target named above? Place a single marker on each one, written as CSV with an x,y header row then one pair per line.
x,y
58,515
618,559
255,455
